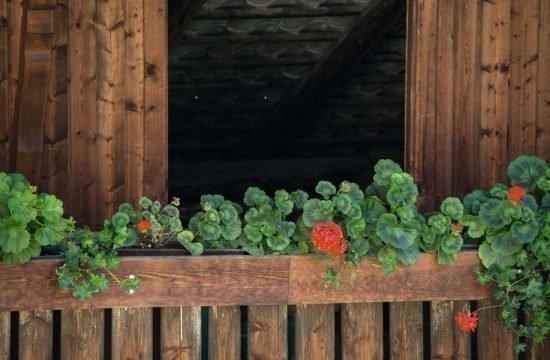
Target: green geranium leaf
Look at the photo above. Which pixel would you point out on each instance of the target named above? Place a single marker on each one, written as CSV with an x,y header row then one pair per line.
x,y
388,258
145,203
316,211
278,243
503,241
391,232
451,244
325,189
490,257
526,171
22,206
48,236
360,246
299,198
444,258
356,228
343,203
171,210
384,170
496,213
228,213
212,201
212,217
24,256
231,231
185,237
209,231
452,207
474,200
14,236
407,213
499,191
254,249
409,255
530,202
120,219
252,233
255,196
525,232
283,202
440,223
402,190
373,210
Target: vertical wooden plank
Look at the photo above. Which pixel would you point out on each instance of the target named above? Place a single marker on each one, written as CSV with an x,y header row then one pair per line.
x,y
448,342
524,27
110,92
15,10
422,164
35,335
82,334
494,340
156,98
406,330
56,156
133,102
224,332
5,118
410,84
267,332
83,129
362,331
132,333
4,335
495,53
444,99
543,117
180,333
314,333
467,97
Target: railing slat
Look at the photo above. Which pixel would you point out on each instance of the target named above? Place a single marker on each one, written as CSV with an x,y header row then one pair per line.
x,y
82,334
4,335
362,331
35,335
267,332
494,340
406,331
180,333
132,333
314,332
224,332
447,340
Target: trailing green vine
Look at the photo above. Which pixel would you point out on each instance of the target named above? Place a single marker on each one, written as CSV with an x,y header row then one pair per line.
x,y
380,224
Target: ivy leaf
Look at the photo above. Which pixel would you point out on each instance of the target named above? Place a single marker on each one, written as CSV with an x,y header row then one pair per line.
x,y
391,232
526,171
53,207
490,257
384,169
14,236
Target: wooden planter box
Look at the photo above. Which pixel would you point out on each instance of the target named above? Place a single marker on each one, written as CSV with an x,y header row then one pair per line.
x,y
244,280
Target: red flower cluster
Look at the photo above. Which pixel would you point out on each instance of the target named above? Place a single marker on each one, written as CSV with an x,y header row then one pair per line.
x,y
516,193
143,226
467,322
329,238
459,227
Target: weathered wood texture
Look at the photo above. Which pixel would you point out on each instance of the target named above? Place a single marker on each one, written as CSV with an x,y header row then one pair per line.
x,y
82,334
477,91
406,331
132,334
448,342
267,332
83,102
224,332
494,340
35,335
180,333
424,281
315,331
243,280
362,331
5,335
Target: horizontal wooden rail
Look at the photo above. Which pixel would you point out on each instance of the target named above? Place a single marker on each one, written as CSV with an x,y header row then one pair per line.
x,y
244,280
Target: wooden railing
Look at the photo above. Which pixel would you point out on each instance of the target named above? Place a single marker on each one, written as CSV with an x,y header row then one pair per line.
x,y
258,308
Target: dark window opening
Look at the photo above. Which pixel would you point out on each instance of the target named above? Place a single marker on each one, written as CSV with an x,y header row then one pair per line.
x,y
282,94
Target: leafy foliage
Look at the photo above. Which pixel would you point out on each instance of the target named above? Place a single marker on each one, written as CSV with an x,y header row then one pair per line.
x,y
28,220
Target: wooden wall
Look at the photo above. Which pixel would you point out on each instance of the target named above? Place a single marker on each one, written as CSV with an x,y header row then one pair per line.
x,y
83,100
478,91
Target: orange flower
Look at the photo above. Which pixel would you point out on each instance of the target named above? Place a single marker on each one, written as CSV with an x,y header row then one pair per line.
x,y
143,226
459,227
516,193
329,238
467,322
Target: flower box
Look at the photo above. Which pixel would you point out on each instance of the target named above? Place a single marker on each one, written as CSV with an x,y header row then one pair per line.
x,y
178,280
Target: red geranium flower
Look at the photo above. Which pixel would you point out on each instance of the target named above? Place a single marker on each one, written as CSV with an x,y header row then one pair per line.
x,y
459,227
516,193
329,238
143,226
467,322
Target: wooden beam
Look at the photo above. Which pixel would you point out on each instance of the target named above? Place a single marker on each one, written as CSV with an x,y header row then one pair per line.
x,y
244,280
279,12
373,23
182,17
